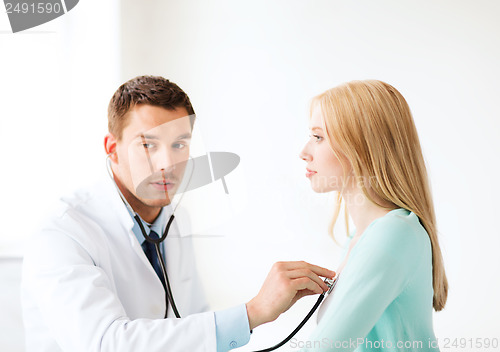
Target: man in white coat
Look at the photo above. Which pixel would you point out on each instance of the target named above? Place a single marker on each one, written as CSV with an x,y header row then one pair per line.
x,y
90,281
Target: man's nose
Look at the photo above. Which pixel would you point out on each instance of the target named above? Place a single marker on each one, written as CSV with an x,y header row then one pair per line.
x,y
166,161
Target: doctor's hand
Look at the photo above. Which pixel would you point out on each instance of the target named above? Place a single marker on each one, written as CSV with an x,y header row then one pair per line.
x,y
286,283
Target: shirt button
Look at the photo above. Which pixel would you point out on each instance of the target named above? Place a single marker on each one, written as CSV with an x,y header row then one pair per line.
x,y
233,344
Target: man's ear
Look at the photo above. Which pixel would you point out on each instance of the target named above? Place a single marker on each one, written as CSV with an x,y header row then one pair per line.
x,y
110,147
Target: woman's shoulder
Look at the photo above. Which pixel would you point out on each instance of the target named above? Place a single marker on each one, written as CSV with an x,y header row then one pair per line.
x,y
398,230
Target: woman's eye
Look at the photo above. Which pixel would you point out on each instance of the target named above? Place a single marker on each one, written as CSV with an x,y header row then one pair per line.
x,y
147,145
318,138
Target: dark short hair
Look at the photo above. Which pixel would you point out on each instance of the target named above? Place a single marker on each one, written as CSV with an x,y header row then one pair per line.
x,y
151,90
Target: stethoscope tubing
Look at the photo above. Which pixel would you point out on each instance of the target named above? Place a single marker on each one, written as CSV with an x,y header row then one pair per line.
x,y
168,290
302,323
311,312
157,241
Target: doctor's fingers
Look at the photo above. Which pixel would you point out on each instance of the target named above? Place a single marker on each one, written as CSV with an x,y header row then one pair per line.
x,y
299,273
305,283
303,293
318,270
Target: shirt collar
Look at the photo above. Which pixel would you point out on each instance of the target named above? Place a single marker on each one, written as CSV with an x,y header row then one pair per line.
x,y
157,226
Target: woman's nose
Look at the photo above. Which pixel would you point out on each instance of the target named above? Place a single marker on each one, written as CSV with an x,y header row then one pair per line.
x,y
304,155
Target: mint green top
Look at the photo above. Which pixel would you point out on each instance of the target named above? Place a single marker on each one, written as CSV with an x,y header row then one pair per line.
x,y
383,297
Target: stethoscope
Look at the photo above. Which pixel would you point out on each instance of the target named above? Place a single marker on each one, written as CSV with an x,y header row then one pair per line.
x,y
169,298
331,283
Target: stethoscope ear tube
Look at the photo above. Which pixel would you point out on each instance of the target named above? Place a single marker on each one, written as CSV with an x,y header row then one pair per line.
x,y
149,238
156,242
168,290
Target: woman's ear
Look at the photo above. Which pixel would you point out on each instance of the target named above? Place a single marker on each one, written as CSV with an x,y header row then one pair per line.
x,y
110,147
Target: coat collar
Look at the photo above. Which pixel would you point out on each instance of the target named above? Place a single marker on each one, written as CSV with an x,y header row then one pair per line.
x,y
119,209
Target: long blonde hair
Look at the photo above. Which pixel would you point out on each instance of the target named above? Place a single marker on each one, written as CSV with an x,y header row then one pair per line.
x,y
373,129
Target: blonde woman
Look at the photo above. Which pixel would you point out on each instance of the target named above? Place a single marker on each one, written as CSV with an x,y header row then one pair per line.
x,y
364,145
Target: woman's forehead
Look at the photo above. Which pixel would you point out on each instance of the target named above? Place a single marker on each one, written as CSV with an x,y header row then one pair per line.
x,y
316,120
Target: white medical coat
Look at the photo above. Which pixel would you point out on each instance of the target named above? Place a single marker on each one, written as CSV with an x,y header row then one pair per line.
x,y
88,286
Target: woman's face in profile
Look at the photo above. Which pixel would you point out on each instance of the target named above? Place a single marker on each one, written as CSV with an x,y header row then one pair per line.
x,y
323,168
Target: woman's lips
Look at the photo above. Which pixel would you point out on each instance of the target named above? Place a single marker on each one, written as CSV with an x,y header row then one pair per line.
x,y
309,173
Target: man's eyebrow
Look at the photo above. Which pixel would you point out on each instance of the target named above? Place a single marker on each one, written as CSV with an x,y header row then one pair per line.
x,y
153,136
185,136
147,136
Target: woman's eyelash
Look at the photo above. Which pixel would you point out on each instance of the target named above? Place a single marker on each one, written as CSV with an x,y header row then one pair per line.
x,y
318,138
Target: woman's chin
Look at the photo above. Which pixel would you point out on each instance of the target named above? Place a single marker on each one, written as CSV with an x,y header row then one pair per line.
x,y
324,188
320,189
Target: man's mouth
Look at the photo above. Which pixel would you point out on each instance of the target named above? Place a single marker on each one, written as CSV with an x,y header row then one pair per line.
x,y
163,185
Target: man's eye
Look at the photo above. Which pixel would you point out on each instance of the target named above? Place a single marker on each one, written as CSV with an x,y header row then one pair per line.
x,y
179,145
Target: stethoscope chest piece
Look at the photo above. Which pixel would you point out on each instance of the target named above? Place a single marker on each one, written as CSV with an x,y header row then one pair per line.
x,y
331,284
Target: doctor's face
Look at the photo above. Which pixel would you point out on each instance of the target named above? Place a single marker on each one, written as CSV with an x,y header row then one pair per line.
x,y
153,152
323,167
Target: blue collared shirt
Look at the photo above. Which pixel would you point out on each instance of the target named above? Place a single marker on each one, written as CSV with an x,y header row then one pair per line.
x,y
232,328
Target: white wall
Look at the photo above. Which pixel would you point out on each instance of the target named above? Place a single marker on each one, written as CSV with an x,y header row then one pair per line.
x,y
250,69
56,81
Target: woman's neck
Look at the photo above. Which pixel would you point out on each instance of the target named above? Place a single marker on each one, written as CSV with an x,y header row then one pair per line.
x,y
362,210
